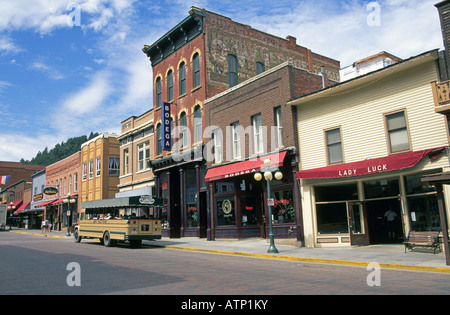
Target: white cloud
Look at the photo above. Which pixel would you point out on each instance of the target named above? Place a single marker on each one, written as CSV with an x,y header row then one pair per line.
x,y
138,86
47,70
90,98
7,45
4,84
27,147
44,16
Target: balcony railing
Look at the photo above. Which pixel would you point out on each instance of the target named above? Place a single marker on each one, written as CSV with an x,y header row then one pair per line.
x,y
441,94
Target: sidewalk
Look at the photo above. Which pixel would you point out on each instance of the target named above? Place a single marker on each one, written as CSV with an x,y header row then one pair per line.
x,y
387,256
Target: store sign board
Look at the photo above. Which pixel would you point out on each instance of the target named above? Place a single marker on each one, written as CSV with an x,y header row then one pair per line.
x,y
50,191
166,132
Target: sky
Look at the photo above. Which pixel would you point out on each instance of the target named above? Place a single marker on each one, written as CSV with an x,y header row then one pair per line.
x,y
69,67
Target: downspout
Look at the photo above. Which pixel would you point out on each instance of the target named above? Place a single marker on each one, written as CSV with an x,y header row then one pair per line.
x,y
322,69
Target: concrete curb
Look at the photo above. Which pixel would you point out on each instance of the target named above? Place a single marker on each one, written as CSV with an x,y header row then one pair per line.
x,y
39,234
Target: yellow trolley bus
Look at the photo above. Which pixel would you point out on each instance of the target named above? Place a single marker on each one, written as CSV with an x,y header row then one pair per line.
x,y
129,219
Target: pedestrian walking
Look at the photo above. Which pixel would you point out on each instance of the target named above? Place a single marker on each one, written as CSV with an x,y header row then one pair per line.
x,y
44,226
390,218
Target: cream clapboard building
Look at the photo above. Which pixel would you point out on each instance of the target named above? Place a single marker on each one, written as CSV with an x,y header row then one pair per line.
x,y
364,146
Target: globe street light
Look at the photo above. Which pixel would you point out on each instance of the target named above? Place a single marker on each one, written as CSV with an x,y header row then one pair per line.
x,y
68,200
268,177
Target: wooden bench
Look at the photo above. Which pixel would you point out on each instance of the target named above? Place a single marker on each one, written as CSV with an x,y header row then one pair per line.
x,y
423,239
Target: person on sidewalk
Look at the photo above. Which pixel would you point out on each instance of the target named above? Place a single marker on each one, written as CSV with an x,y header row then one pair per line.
x,y
390,218
44,227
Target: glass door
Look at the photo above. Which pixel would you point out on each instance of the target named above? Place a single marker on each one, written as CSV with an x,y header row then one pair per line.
x,y
357,223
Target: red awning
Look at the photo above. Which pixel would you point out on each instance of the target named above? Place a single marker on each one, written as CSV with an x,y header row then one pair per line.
x,y
43,204
244,167
60,200
367,167
14,206
22,207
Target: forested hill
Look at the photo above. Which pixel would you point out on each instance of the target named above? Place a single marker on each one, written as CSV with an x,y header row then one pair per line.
x,y
60,151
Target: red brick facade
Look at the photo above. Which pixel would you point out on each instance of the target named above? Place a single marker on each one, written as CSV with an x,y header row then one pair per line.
x,y
65,176
18,172
262,96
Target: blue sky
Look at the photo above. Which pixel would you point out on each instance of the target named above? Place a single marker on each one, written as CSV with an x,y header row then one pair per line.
x,y
59,80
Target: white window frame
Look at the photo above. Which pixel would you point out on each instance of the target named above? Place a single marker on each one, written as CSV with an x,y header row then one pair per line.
x,y
91,169
236,139
258,141
84,172
218,149
98,166
279,125
144,149
113,166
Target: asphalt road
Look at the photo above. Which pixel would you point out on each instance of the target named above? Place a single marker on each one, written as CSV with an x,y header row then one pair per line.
x,y
40,266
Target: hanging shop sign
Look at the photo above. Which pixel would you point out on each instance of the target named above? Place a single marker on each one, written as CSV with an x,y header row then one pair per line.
x,y
50,191
166,132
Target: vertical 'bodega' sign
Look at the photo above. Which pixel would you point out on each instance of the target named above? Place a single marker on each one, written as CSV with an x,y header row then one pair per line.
x,y
166,132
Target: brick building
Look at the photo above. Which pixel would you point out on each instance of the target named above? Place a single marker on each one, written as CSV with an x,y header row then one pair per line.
x,y
250,123
17,198
202,56
18,172
62,209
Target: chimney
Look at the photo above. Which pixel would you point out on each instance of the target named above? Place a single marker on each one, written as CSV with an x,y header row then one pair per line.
x,y
292,40
444,15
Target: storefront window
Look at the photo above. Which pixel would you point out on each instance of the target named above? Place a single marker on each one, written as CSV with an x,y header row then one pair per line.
x,y
248,210
224,187
283,210
414,184
424,213
225,211
422,203
332,218
191,199
381,188
336,192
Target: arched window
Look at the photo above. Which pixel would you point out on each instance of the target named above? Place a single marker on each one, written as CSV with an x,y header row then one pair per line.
x,y
170,86
196,69
197,124
182,73
260,68
158,92
183,130
158,139
232,70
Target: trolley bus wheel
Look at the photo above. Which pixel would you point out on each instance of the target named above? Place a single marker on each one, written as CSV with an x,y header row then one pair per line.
x,y
77,236
108,242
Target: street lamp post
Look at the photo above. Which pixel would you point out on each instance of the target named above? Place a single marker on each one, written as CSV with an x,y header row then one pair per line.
x,y
268,176
68,200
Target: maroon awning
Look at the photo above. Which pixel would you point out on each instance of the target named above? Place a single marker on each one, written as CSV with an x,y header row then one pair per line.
x,y
15,205
21,208
244,167
371,166
43,204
